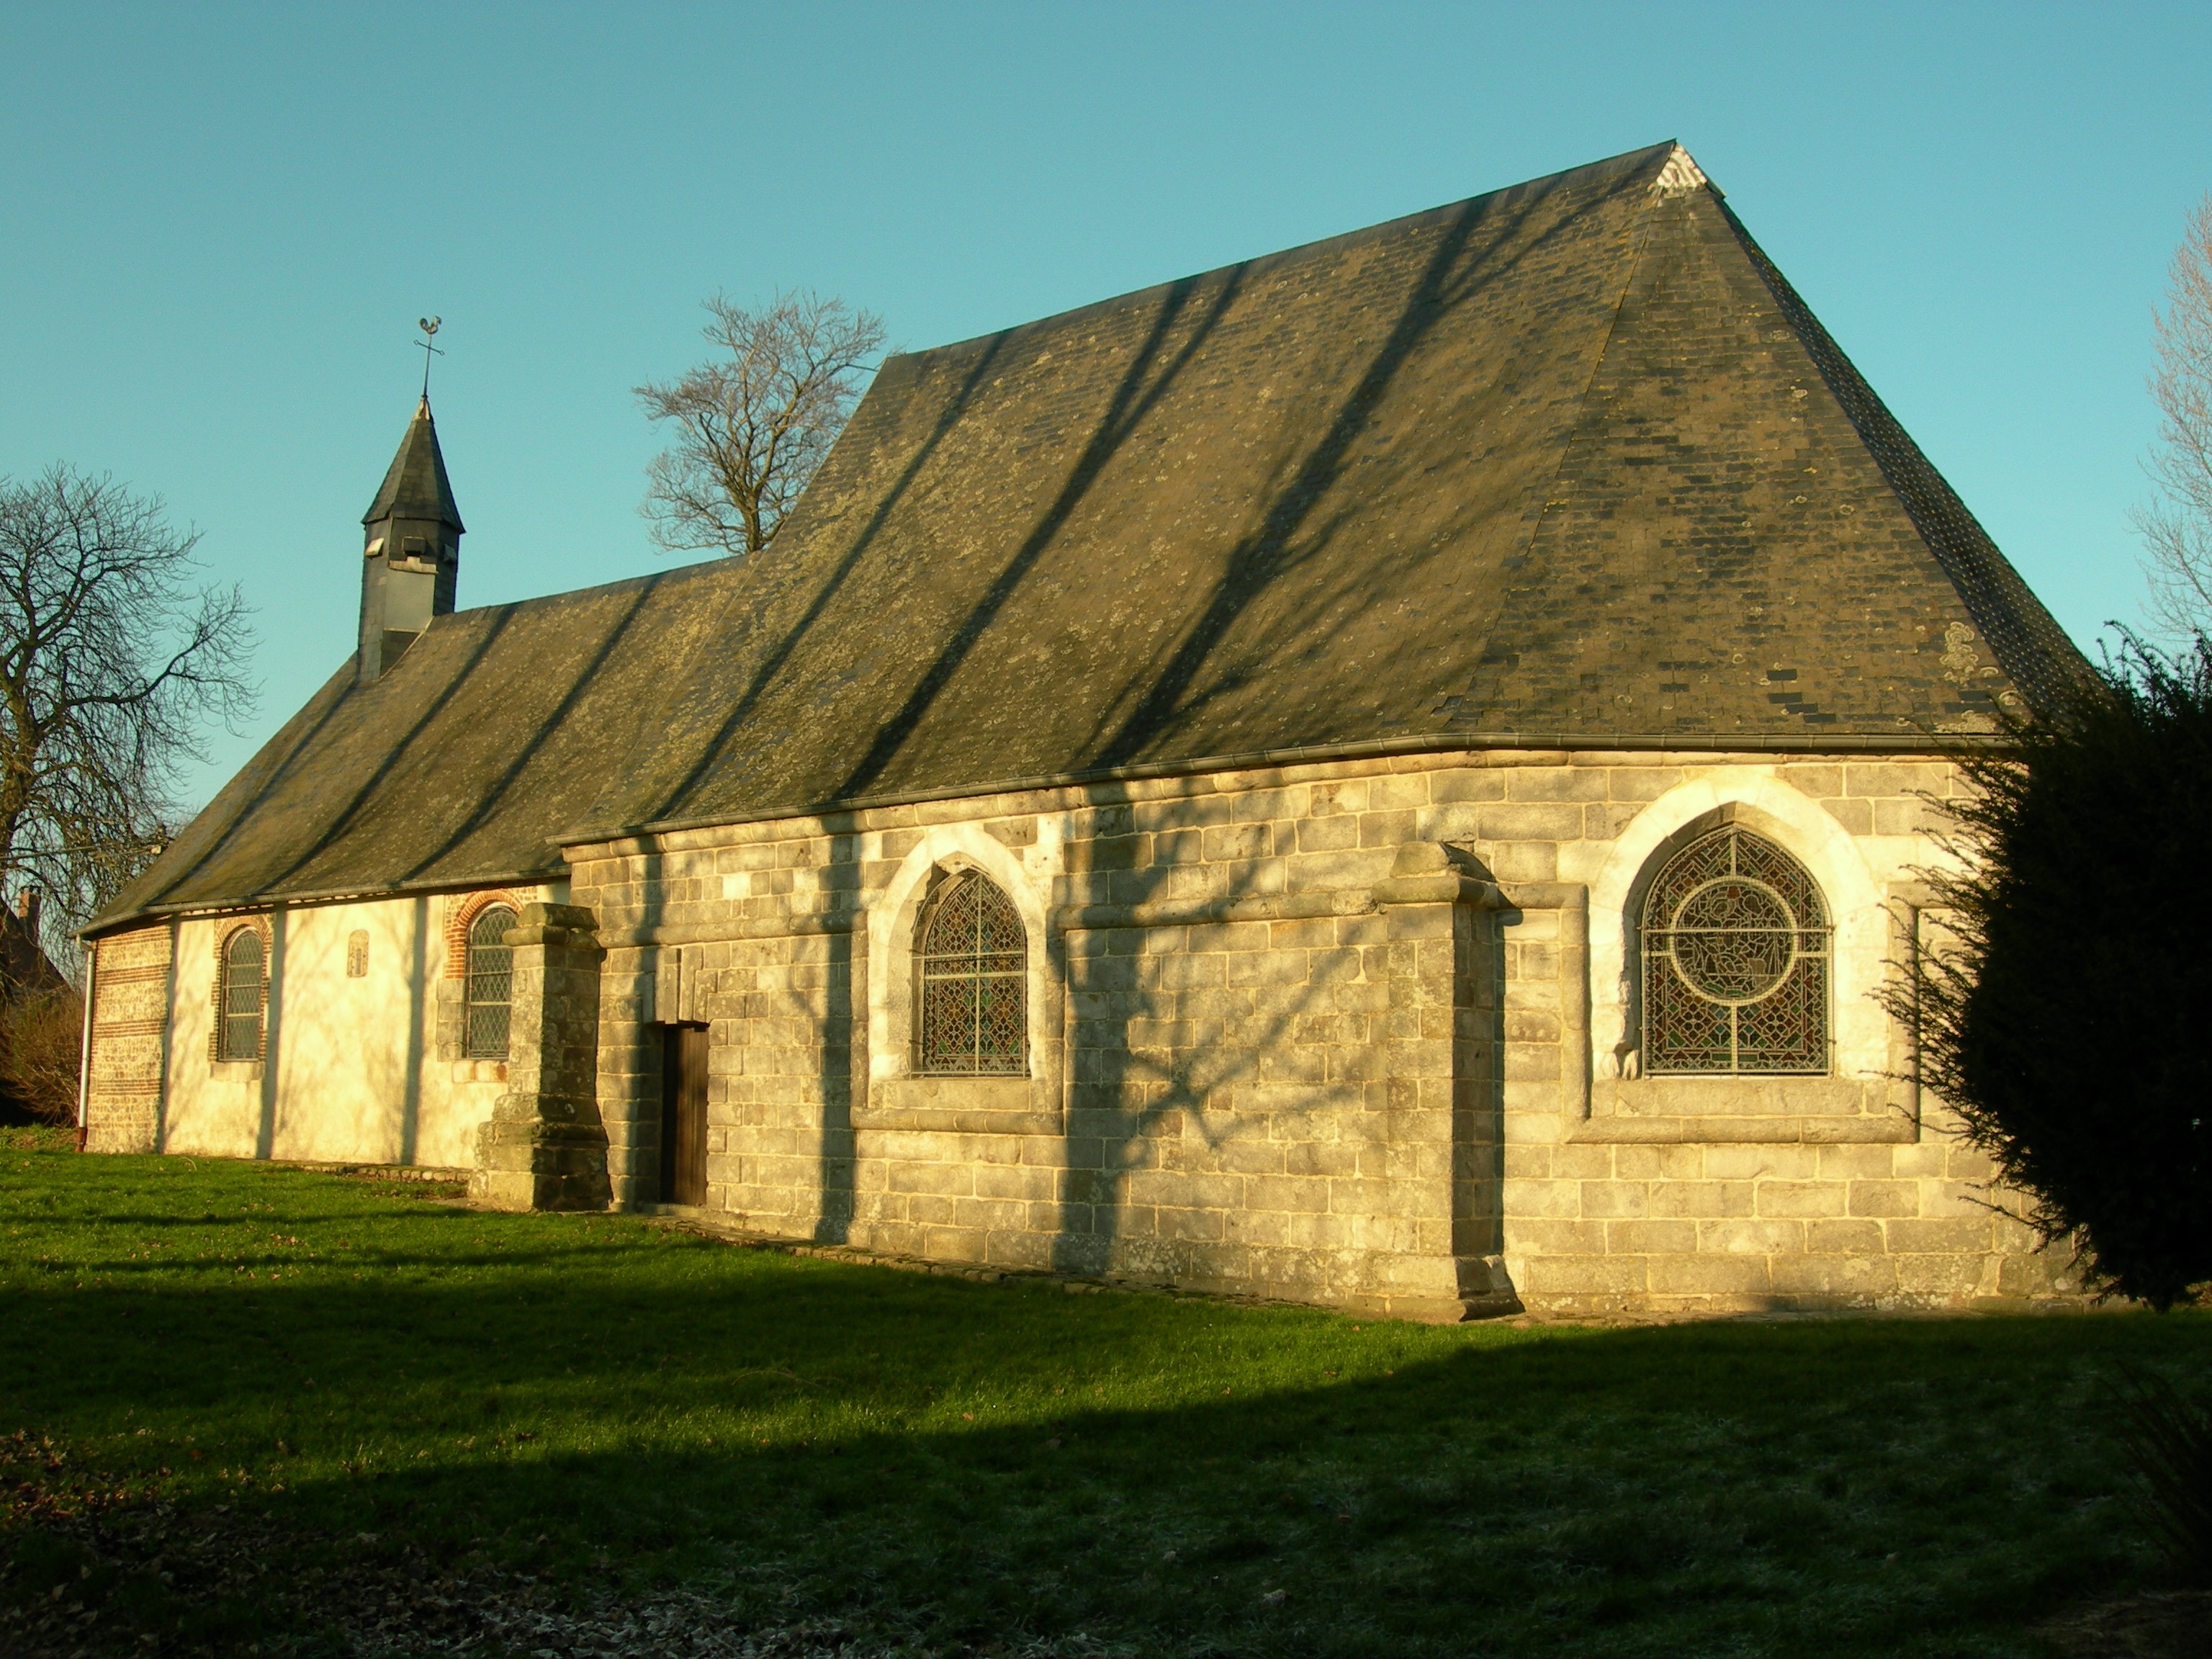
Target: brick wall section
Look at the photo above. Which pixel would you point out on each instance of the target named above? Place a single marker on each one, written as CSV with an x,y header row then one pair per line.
x,y
1689,1227
130,993
1269,1104
1295,1063
461,911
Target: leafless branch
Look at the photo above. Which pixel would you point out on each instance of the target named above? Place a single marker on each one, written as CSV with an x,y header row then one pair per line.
x,y
111,661
754,420
2177,526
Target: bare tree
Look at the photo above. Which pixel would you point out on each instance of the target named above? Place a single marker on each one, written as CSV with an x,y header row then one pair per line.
x,y
2177,527
755,420
110,659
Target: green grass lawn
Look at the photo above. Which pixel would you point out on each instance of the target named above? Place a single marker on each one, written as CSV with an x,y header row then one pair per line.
x,y
970,1466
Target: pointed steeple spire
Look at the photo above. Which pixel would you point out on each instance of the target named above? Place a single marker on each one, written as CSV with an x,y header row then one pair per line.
x,y
412,549
417,486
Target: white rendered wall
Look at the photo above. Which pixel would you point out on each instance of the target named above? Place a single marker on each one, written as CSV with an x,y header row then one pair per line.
x,y
352,1071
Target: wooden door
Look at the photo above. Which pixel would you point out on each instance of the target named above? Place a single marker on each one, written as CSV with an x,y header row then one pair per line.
x,y
684,1116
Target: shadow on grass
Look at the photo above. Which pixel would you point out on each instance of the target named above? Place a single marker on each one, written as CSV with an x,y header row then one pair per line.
x,y
977,1462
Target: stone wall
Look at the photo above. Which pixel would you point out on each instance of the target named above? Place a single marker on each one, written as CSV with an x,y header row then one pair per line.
x,y
543,1147
1355,1032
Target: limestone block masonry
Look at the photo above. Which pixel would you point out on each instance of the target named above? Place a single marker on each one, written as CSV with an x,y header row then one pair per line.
x,y
1357,1032
545,1147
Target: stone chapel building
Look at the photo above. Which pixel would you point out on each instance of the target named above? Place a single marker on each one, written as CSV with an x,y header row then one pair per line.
x,y
1386,775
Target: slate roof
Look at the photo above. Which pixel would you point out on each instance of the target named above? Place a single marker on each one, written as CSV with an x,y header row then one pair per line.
x,y
417,486
454,769
1567,464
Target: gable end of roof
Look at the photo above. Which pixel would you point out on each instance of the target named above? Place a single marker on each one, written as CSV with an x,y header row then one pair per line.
x,y
2033,651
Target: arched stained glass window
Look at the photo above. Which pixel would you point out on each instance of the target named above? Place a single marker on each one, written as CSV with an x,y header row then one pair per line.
x,y
972,958
244,995
1736,961
491,988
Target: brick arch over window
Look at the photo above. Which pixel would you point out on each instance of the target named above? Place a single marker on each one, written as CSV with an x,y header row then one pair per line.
x,y
240,1028
461,917
487,994
970,980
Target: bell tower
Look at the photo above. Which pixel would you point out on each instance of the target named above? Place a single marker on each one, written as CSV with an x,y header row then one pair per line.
x,y
411,549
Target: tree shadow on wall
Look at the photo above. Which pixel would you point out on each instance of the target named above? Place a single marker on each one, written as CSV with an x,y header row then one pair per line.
x,y
1313,1044
1283,568
1200,1077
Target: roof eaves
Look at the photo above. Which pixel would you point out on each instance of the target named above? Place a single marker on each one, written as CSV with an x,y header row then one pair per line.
x,y
1914,742
353,892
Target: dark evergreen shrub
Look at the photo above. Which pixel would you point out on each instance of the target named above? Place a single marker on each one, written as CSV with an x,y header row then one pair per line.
x,y
2072,1027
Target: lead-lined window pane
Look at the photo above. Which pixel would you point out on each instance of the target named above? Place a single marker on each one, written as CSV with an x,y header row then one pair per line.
x,y
1736,946
491,988
245,987
971,997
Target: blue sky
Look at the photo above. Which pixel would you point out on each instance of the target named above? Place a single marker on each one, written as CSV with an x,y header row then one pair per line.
x,y
218,224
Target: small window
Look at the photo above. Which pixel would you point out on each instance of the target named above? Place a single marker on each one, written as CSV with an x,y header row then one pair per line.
x,y
971,965
244,995
1735,962
490,983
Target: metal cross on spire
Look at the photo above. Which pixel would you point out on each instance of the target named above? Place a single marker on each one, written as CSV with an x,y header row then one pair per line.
x,y
429,327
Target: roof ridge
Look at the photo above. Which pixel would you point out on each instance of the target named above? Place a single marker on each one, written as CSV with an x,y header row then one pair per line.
x,y
1626,162
691,572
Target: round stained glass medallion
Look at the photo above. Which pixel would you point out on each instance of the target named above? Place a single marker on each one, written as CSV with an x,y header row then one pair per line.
x,y
1734,940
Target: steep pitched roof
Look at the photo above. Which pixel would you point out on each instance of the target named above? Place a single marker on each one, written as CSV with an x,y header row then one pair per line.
x,y
457,767
416,487
1568,463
